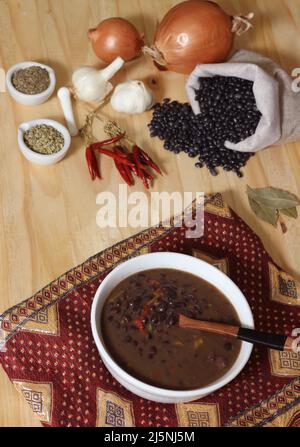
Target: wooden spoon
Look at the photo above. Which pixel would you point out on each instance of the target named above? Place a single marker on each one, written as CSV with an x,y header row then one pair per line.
x,y
273,341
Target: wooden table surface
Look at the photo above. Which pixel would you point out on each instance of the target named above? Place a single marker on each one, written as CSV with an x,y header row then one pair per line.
x,y
48,215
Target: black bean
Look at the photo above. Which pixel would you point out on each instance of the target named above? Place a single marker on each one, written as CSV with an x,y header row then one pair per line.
x,y
169,291
153,350
172,320
153,319
228,346
124,320
135,304
162,306
228,113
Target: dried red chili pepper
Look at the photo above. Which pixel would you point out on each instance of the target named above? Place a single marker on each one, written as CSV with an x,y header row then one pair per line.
x,y
148,176
92,163
97,147
123,173
139,321
140,167
139,324
145,181
96,168
146,310
119,157
124,170
129,175
133,168
88,156
108,142
136,160
148,160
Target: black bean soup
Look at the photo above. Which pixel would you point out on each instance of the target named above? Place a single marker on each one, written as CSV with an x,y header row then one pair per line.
x,y
139,325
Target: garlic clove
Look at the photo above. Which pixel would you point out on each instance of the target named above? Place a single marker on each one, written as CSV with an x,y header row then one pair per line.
x,y
132,97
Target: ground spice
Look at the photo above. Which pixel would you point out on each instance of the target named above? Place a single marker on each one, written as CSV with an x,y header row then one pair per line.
x,y
32,80
44,139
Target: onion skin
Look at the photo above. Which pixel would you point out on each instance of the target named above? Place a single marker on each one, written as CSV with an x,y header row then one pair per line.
x,y
193,32
115,37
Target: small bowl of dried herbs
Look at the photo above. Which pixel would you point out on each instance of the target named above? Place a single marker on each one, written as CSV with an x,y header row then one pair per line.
x,y
30,83
43,142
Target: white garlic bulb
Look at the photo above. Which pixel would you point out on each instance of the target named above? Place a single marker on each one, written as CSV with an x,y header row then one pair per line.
x,y
132,97
91,84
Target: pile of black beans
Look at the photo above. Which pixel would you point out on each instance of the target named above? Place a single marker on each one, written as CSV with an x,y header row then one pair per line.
x,y
228,113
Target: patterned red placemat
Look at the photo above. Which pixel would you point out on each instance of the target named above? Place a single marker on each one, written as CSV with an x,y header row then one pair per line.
x,y
49,354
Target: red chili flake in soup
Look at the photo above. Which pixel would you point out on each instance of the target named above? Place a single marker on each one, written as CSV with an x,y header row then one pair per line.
x,y
139,324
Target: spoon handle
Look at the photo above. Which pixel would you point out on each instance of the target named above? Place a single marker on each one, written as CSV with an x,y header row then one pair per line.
x,y
272,341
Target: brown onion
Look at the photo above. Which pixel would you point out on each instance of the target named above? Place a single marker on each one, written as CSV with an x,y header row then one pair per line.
x,y
195,32
116,37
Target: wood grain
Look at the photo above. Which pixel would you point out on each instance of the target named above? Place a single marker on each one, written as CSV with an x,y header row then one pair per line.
x,y
208,326
48,215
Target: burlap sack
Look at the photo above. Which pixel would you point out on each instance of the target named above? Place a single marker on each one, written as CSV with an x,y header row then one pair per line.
x,y
275,98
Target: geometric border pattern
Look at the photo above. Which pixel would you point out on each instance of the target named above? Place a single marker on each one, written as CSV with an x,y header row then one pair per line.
x,y
215,204
284,363
45,321
269,409
113,411
198,415
39,397
220,264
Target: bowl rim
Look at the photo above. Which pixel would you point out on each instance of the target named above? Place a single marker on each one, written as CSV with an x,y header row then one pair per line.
x,y
43,157
164,392
27,64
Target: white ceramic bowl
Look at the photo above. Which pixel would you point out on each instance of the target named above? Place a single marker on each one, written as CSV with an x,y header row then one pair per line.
x,y
187,264
23,98
40,159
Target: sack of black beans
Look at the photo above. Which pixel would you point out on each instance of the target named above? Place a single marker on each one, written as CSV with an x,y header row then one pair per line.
x,y
275,98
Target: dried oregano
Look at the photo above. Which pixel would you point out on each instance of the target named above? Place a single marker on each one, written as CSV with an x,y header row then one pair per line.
x,y
31,81
44,139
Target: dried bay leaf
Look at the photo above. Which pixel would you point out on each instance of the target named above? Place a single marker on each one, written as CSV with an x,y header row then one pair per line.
x,y
290,212
273,198
269,215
